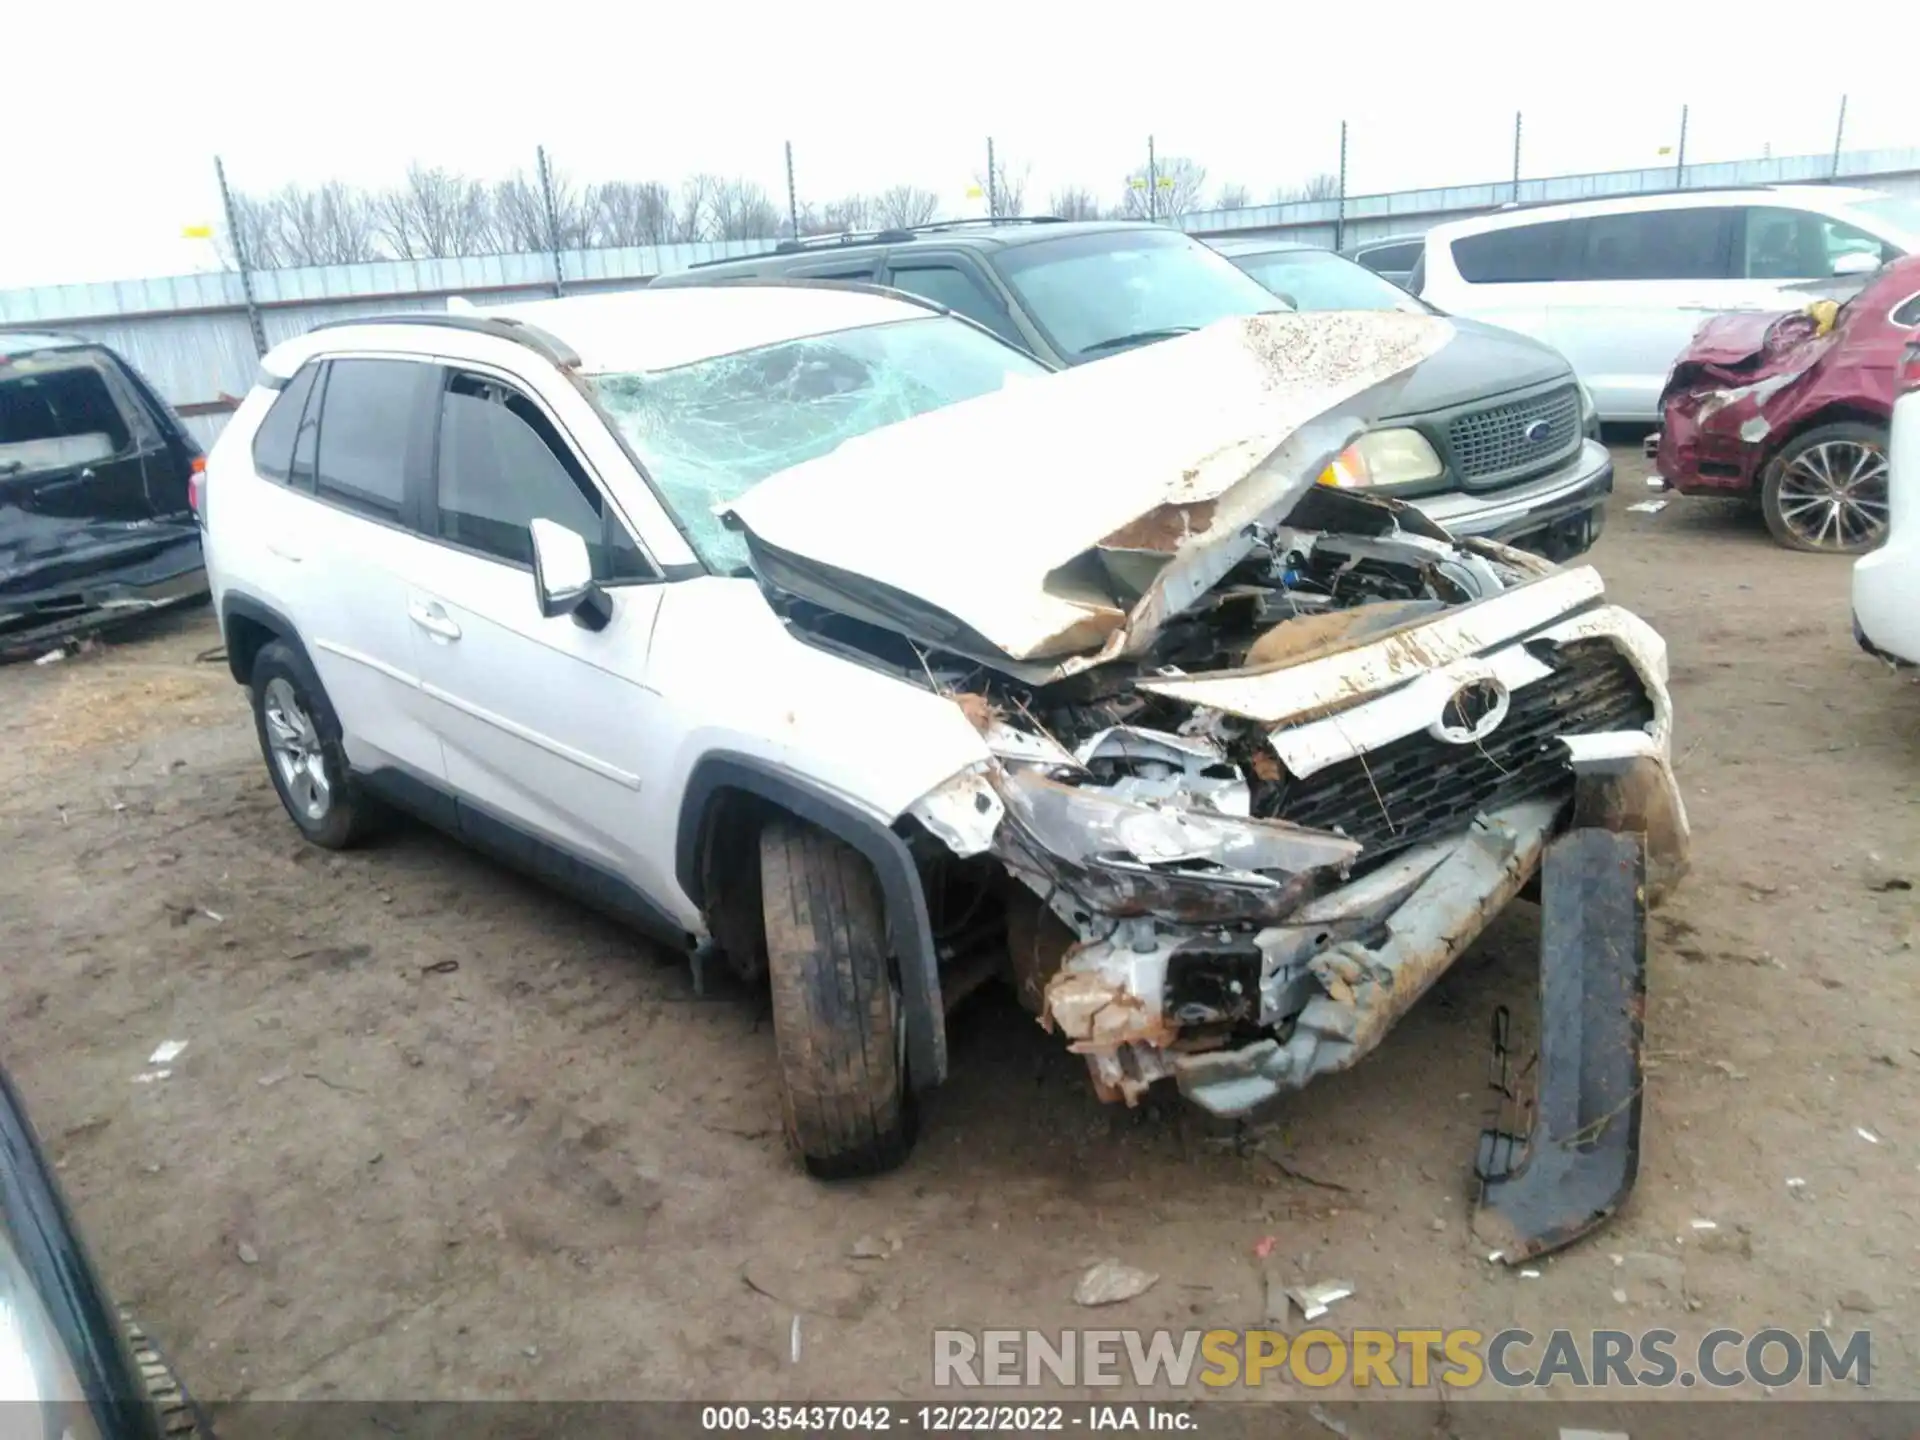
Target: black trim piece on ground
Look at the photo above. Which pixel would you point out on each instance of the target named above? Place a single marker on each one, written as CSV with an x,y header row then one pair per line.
x,y
36,1221
907,924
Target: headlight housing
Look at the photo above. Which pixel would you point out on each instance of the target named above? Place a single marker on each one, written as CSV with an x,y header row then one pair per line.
x,y
1589,412
1384,459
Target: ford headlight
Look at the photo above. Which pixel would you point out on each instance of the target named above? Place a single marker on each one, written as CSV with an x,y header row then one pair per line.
x,y
1383,459
1589,412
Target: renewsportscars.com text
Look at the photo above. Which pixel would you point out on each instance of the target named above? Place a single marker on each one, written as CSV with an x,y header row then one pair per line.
x,y
1391,1359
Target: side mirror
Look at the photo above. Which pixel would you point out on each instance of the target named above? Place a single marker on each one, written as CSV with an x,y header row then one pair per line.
x,y
1856,262
563,576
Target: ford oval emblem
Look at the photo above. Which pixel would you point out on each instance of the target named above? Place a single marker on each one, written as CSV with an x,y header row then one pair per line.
x,y
1539,431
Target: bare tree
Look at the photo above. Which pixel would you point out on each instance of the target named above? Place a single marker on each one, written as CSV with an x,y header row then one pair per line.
x,y
692,213
519,221
254,236
904,205
740,210
1232,197
1174,188
1324,186
331,225
1073,203
1008,192
844,216
631,212
434,213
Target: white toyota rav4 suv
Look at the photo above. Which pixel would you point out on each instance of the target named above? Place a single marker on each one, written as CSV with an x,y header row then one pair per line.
x,y
820,633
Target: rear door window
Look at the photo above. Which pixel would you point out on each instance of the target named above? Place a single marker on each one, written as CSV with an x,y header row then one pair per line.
x,y
1518,254
1679,244
365,426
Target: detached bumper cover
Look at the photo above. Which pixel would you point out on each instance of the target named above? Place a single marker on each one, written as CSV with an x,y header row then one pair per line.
x,y
162,577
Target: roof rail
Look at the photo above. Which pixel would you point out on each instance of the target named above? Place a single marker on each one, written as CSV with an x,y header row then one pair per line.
x,y
1756,186
502,327
891,235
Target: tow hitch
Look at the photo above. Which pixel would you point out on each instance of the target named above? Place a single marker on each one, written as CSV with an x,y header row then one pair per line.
x,y
1544,1185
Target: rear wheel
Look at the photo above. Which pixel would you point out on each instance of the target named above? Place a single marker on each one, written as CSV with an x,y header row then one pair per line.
x,y
300,738
1827,491
838,1022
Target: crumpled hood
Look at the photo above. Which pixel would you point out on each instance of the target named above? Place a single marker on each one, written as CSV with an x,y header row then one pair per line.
x,y
1065,516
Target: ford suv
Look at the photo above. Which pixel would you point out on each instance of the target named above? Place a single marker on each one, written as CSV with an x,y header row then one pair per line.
x,y
827,638
1494,437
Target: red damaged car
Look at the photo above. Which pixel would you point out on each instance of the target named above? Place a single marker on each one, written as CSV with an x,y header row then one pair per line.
x,y
1792,410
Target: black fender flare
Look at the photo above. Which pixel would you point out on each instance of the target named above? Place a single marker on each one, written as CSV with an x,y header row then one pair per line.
x,y
239,605
905,898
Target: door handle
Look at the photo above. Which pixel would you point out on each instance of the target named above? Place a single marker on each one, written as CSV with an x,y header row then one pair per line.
x,y
287,555
432,619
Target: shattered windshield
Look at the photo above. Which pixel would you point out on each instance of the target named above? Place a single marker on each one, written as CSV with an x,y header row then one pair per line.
x,y
710,431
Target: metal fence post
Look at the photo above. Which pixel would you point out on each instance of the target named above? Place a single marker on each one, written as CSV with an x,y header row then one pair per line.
x,y
1516,157
240,259
1839,134
1340,216
1153,182
793,195
993,185
553,221
1680,157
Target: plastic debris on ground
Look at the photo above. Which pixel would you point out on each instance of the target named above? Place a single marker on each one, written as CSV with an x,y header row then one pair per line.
x,y
1866,1134
1315,1300
1110,1282
1648,507
167,1051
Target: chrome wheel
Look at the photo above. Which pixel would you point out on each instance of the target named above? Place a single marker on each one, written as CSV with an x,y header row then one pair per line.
x,y
1833,496
293,740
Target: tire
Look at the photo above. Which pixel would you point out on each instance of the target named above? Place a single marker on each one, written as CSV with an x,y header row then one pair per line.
x,y
176,1413
838,1022
1826,492
293,718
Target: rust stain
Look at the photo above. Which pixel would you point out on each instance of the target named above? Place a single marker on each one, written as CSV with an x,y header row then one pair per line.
x,y
1163,529
1266,765
977,708
1037,943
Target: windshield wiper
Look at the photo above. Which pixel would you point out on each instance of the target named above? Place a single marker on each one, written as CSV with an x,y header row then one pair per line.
x,y
1139,337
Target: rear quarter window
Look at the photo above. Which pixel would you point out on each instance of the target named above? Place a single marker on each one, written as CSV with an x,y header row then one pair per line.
x,y
1907,312
273,441
55,415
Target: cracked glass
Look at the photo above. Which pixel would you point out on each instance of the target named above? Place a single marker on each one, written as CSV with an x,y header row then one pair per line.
x,y
710,431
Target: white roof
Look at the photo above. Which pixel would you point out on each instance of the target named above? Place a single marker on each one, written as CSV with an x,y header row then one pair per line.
x,y
1821,198
638,329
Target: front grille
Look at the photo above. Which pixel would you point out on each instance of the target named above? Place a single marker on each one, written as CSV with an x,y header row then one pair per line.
x,y
1419,788
1492,444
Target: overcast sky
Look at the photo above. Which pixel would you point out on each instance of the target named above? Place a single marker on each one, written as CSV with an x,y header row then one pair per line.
x,y
114,114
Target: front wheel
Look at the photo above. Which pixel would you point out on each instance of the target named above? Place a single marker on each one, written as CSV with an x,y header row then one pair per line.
x,y
1827,491
838,1022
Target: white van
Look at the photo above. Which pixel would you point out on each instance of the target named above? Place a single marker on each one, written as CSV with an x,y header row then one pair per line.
x,y
1619,286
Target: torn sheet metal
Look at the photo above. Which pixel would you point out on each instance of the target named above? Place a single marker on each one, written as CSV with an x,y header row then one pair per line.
x,y
1160,768
962,814
1331,683
1091,828
1020,494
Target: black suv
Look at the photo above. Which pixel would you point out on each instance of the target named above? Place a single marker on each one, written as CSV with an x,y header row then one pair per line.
x,y
96,504
1065,291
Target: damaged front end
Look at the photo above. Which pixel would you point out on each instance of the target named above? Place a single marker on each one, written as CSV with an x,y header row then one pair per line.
x,y
1240,861
1300,747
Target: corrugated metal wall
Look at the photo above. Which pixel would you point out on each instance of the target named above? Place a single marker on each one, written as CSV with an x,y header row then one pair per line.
x,y
189,334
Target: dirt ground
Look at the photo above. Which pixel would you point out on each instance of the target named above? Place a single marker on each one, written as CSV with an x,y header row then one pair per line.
x,y
439,1133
